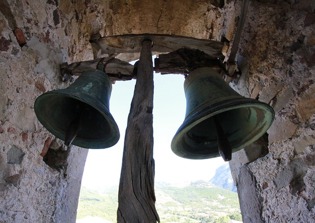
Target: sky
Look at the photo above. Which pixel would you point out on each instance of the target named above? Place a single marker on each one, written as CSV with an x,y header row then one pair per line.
x,y
102,169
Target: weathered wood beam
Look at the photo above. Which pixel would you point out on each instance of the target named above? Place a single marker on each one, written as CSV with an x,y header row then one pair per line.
x,y
130,43
116,69
181,61
184,60
136,199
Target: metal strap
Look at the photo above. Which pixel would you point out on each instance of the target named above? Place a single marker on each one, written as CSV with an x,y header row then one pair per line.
x,y
232,58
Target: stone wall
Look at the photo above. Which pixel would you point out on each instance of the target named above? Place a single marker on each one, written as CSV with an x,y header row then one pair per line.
x,y
39,181
278,59
277,56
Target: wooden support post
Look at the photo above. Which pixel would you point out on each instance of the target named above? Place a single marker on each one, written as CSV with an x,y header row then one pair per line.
x,y
136,199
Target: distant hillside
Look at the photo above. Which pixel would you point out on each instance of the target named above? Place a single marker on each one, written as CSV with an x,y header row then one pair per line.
x,y
192,204
223,178
95,204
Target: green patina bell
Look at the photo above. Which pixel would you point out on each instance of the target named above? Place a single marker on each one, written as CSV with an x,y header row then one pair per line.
x,y
218,120
80,114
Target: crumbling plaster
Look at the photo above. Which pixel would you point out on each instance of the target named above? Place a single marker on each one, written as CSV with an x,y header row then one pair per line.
x,y
277,58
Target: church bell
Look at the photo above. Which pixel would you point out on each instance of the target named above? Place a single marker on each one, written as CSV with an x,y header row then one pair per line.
x,y
80,114
218,120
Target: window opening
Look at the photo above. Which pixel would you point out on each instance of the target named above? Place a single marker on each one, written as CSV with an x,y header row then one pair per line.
x,y
186,190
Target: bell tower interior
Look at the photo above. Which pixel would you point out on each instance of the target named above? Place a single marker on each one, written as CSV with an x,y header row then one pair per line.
x,y
264,50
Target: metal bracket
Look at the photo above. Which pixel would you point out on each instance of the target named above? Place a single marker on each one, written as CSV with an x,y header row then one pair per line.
x,y
231,64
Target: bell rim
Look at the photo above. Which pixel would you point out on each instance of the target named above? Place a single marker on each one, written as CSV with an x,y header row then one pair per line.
x,y
194,118
100,107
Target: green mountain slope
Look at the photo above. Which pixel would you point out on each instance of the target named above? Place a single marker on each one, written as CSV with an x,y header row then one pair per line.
x,y
193,204
103,205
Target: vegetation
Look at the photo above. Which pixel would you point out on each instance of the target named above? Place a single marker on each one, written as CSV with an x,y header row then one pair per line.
x,y
103,205
192,204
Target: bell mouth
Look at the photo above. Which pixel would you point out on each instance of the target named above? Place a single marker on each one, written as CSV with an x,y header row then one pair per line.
x,y
86,101
243,121
98,128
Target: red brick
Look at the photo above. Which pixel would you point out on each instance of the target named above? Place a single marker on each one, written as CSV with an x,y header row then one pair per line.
x,y
40,86
24,136
20,37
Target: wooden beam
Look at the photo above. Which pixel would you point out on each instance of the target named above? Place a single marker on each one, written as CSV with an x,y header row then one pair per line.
x,y
136,199
131,43
185,60
116,69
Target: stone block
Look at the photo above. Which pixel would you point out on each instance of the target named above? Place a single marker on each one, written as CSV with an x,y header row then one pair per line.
x,y
250,200
306,106
24,118
255,91
292,176
257,149
270,91
309,160
302,142
283,98
15,155
248,154
239,158
14,179
4,44
281,129
57,144
310,40
284,178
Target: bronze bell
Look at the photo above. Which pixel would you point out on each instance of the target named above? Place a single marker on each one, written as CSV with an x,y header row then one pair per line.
x,y
218,120
80,114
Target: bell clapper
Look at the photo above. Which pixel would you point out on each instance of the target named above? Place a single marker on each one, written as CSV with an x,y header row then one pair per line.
x,y
72,130
225,149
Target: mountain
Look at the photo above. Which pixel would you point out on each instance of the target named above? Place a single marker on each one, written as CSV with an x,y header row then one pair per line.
x,y
197,203
223,178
